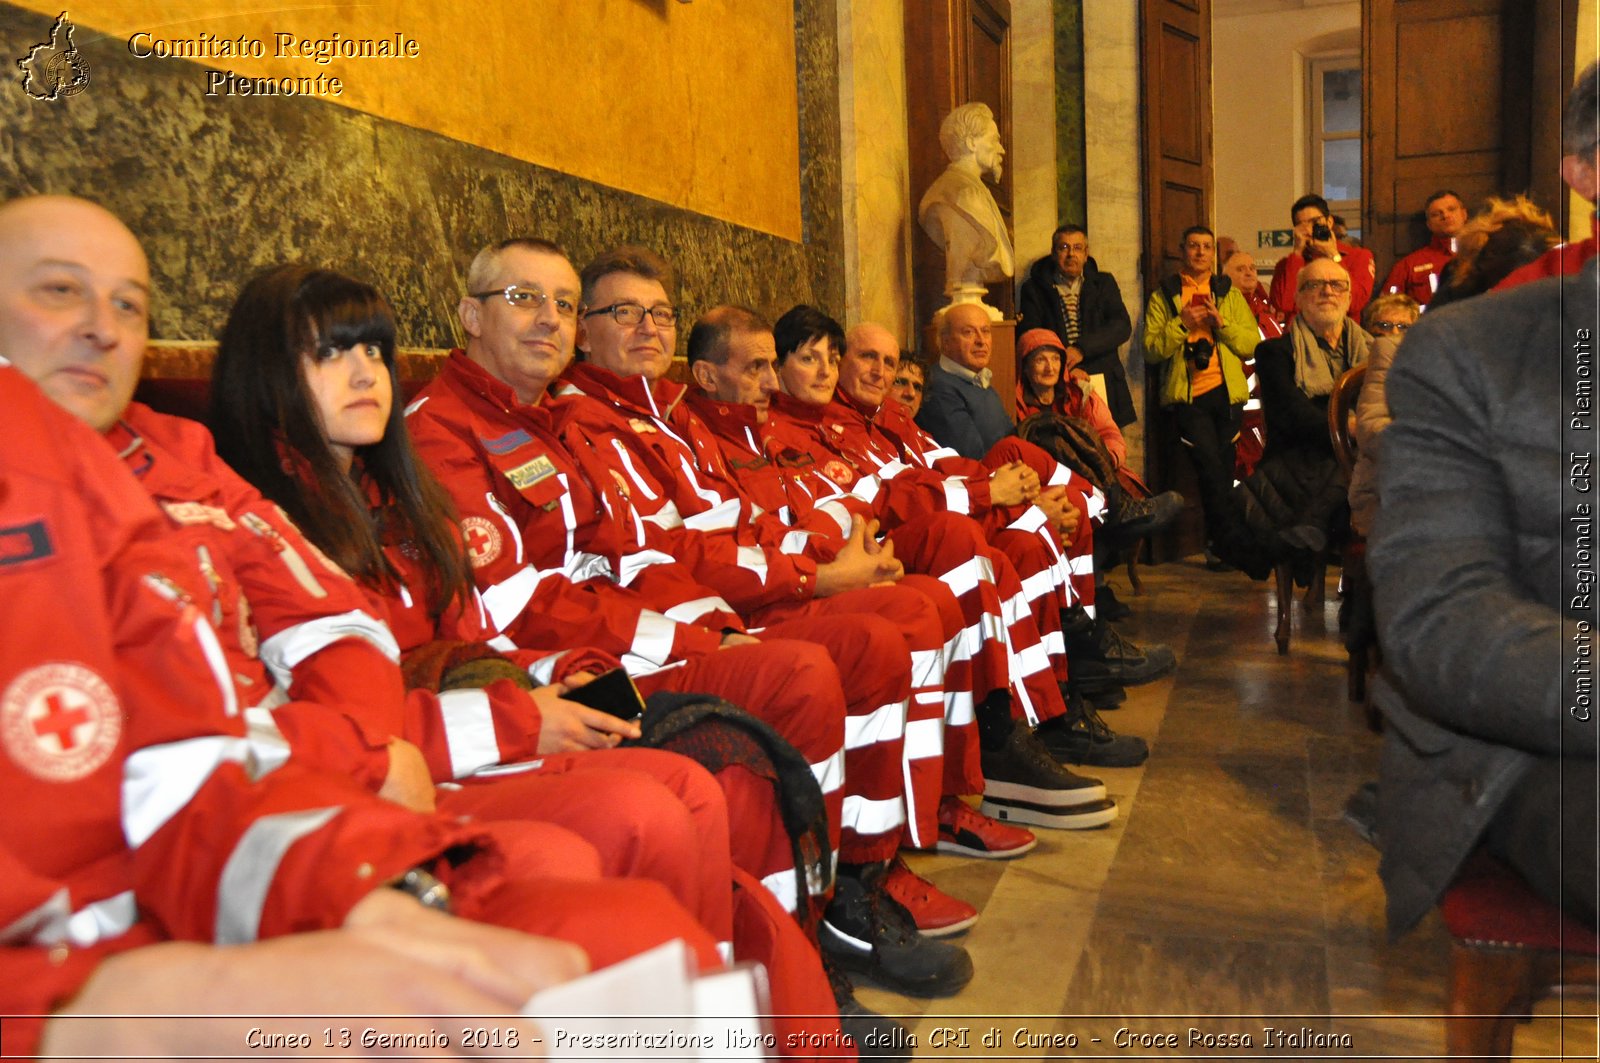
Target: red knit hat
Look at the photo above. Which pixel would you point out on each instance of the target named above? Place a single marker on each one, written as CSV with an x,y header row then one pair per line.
x,y
1035,338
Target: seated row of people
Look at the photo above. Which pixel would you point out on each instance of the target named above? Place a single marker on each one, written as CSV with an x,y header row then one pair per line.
x,y
514,533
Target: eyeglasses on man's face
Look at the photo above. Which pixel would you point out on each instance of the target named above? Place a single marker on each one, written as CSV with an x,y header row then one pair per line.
x,y
1337,287
1391,326
630,314
531,299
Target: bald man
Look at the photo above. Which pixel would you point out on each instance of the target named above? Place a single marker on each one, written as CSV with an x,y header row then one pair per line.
x,y
959,408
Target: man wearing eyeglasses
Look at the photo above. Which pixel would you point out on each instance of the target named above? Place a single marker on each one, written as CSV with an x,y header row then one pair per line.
x,y
1314,239
1298,372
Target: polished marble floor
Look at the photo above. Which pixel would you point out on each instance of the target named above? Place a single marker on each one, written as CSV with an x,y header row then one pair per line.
x,y
1229,896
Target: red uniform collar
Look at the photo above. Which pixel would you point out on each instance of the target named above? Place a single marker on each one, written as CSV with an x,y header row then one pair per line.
x,y
633,393
723,417
473,378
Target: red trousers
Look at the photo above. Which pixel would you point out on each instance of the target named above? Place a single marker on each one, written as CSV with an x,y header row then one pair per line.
x,y
647,813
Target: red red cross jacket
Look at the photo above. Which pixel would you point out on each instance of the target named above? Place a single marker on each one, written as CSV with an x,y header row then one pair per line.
x,y
137,808
1357,261
708,494
558,564
1417,275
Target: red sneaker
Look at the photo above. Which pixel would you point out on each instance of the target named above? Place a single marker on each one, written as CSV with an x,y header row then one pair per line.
x,y
968,832
935,912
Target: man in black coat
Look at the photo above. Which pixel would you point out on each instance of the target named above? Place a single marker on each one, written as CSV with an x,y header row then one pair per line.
x,y
1066,293
1482,562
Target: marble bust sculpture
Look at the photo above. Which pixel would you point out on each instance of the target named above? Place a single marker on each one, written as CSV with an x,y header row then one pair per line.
x,y
959,212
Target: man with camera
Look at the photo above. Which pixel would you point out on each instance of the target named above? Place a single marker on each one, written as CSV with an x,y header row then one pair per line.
x,y
1313,239
1198,328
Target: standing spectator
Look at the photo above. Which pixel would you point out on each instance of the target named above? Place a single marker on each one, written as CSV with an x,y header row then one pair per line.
x,y
1240,266
1198,328
1418,274
1313,239
1067,293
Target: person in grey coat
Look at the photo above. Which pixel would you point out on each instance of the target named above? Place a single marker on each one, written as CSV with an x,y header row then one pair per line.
x,y
1482,562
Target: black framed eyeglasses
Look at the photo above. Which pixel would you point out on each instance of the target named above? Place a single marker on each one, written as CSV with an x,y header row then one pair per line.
x,y
1390,326
521,298
630,314
1338,287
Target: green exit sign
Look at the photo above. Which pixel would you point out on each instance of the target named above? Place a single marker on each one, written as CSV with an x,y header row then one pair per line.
x,y
1274,237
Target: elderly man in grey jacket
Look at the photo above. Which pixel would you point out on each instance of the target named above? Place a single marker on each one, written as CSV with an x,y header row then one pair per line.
x,y
1483,565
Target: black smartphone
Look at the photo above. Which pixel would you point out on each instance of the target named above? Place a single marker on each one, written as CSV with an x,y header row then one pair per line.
x,y
611,692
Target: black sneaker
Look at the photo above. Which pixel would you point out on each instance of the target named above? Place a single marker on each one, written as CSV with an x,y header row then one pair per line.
x,y
1108,606
876,1036
1082,737
867,933
1096,652
1137,518
1102,692
1025,784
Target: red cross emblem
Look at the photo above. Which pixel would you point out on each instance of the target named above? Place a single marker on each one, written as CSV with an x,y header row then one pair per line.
x,y
59,721
483,540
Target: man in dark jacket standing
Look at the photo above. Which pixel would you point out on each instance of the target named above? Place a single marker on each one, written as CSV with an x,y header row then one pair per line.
x,y
1066,293
1482,562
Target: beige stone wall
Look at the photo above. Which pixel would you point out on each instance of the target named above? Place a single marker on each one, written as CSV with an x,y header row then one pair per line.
x,y
1033,130
874,165
694,105
1111,145
1259,114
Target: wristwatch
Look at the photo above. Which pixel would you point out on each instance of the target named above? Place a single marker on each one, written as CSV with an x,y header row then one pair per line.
x,y
425,887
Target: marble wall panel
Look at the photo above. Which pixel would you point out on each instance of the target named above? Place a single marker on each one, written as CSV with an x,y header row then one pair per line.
x,y
875,160
218,189
1034,116
1071,194
1112,173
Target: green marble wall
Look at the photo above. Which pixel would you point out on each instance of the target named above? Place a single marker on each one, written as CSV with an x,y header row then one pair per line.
x,y
1072,197
220,188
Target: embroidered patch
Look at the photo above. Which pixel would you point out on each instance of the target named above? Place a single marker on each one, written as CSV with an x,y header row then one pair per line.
x,y
197,513
838,472
60,721
640,425
1426,267
529,473
622,484
22,543
507,443
483,540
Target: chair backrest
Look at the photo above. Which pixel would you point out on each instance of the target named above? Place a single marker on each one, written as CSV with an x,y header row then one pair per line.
x,y
176,376
1342,416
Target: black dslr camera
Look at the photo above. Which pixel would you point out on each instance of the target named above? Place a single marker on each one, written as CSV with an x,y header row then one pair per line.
x,y
1320,231
1198,351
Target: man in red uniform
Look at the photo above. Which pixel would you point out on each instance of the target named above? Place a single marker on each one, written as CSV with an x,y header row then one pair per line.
x,y
575,556
1417,274
320,688
1580,169
1314,238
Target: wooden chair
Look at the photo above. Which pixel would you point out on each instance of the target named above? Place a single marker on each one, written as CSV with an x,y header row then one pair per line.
x,y
1510,949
